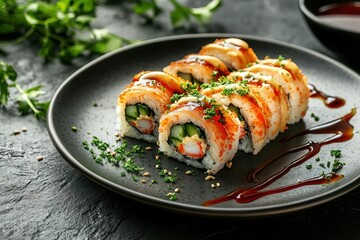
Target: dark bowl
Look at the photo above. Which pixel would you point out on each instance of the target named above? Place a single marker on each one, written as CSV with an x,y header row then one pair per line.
x,y
343,42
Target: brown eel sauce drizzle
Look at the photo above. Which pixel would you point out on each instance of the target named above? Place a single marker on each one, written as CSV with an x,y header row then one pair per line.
x,y
342,130
329,101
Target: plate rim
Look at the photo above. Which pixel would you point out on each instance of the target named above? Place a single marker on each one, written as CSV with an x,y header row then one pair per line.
x,y
186,208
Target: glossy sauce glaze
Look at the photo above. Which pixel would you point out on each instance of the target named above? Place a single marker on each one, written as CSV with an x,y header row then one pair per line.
x,y
209,61
329,101
344,15
342,130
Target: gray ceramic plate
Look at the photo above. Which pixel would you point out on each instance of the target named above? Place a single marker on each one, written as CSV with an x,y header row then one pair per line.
x,y
102,80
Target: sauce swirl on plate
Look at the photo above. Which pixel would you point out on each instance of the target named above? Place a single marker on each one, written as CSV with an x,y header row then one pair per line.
x,y
342,131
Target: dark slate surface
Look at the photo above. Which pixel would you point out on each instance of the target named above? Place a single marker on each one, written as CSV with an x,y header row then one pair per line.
x,y
50,200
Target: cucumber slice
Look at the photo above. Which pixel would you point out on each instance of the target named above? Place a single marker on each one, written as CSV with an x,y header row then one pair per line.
x,y
130,119
236,110
175,142
186,76
191,130
177,131
132,111
144,110
196,82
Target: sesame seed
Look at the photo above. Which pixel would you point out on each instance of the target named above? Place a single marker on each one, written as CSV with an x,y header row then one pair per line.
x,y
157,166
169,173
148,148
146,174
157,157
213,185
16,132
24,129
108,150
143,181
188,172
39,158
229,164
176,190
217,184
165,171
209,177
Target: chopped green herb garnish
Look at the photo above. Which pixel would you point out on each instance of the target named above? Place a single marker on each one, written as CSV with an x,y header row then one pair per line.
x,y
280,58
99,144
308,166
130,166
316,118
328,164
214,74
337,165
170,178
210,112
98,160
195,93
175,97
136,149
187,87
172,196
228,91
135,178
166,177
86,145
335,153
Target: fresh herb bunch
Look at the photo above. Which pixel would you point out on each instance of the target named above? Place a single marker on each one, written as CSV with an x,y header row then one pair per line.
x,y
179,15
63,29
11,18
27,99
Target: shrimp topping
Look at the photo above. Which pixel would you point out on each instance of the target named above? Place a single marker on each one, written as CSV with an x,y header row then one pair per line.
x,y
193,147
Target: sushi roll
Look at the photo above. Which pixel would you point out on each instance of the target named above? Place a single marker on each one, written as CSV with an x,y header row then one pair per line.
x,y
271,96
200,132
143,101
291,79
234,52
198,68
239,98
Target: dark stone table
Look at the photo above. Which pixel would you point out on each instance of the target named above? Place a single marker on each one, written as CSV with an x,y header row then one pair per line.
x,y
49,199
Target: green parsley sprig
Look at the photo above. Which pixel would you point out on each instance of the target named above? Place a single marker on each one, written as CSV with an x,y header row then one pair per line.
x,y
61,30
27,98
180,15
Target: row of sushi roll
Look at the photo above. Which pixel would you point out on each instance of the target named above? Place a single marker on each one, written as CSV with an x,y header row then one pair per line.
x,y
204,108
